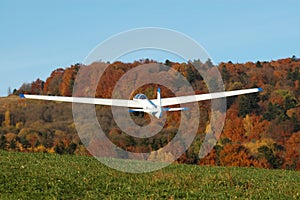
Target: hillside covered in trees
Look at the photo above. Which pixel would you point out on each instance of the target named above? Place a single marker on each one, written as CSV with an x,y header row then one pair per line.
x,y
261,130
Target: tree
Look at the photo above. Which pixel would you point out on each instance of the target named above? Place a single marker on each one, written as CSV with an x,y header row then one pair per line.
x,y
37,87
272,112
71,148
292,151
25,88
68,79
209,63
12,145
168,63
248,104
225,74
258,64
52,84
269,154
24,142
7,118
236,155
60,148
296,122
2,142
9,91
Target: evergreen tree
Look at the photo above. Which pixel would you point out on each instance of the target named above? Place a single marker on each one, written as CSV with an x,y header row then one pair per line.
x,y
2,142
272,112
9,91
225,74
268,153
248,104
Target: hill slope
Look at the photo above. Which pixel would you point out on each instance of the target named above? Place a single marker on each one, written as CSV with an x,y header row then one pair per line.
x,y
49,176
261,130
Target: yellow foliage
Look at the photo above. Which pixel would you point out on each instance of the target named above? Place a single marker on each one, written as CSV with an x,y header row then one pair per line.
x,y
7,118
160,156
10,137
51,150
19,125
81,150
40,148
254,127
254,146
292,111
20,147
24,132
248,125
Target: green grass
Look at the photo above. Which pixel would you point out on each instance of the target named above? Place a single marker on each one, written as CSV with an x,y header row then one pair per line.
x,y
46,176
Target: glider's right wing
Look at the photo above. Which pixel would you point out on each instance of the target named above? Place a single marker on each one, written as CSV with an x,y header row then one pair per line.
x,y
86,100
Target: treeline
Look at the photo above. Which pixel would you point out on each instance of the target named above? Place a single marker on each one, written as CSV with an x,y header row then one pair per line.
x,y
261,130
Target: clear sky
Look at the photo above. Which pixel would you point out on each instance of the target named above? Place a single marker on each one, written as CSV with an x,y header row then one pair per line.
x,y
40,36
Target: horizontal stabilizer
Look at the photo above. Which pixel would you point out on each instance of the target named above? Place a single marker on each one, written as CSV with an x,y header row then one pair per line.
x,y
136,110
174,109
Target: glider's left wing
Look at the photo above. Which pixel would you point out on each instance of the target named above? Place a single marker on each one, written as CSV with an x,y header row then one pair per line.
x,y
97,101
202,97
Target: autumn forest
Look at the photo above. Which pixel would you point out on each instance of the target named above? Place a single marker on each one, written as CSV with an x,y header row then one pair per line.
x,y
261,130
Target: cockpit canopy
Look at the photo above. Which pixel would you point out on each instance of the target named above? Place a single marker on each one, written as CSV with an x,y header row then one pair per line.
x,y
140,96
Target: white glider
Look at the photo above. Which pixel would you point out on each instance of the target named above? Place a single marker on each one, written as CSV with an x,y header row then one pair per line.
x,y
140,103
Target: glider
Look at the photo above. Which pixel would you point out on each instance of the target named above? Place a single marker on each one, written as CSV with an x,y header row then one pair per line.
x,y
140,103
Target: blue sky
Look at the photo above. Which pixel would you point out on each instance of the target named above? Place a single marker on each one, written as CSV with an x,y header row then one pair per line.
x,y
40,36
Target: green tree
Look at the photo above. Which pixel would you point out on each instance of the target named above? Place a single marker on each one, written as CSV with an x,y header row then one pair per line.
x,y
272,112
269,154
258,64
71,148
12,144
25,143
2,141
296,122
60,148
225,74
248,104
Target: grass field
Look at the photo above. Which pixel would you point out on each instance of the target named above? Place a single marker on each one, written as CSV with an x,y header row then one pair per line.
x,y
47,176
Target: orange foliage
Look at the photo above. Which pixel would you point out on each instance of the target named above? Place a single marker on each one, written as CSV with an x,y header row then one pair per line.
x,y
293,150
237,155
52,83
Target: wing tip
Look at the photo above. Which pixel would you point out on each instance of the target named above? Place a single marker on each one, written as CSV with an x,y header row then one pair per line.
x,y
260,89
22,96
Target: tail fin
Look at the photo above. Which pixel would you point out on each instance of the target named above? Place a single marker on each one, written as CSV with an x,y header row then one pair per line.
x,y
158,97
158,114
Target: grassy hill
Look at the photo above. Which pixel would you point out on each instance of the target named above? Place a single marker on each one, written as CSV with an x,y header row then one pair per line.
x,y
52,176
